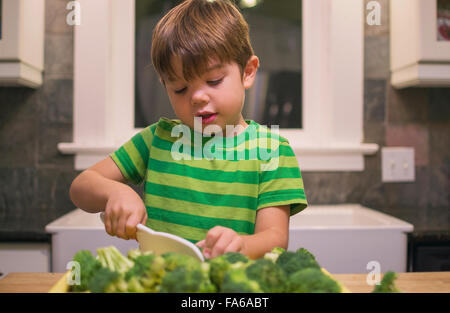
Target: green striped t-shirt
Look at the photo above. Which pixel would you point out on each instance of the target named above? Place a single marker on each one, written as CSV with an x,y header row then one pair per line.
x,y
194,182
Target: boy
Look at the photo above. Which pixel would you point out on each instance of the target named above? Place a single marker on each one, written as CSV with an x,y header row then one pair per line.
x,y
202,53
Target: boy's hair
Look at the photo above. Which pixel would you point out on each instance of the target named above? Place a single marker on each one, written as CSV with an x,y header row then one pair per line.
x,y
199,31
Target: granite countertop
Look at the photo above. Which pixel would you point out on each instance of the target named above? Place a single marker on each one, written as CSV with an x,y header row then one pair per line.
x,y
429,235
24,236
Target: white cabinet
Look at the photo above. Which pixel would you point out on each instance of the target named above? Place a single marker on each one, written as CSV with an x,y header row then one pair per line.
x,y
22,42
420,57
24,257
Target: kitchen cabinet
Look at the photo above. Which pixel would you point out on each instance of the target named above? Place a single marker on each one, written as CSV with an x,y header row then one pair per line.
x,y
420,43
22,42
24,256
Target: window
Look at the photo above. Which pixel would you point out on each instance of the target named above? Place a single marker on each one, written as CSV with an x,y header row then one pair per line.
x,y
331,133
275,31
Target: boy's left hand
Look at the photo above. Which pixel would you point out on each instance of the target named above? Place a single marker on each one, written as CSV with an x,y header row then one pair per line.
x,y
220,240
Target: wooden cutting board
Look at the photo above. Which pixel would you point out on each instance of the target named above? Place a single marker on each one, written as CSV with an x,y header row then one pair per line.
x,y
423,282
29,282
426,282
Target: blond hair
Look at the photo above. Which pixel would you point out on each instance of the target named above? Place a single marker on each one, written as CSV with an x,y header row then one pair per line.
x,y
199,31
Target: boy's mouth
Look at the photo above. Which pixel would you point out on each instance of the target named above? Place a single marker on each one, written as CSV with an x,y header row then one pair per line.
x,y
207,117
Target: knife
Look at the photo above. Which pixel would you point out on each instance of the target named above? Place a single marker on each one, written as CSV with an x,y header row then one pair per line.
x,y
161,242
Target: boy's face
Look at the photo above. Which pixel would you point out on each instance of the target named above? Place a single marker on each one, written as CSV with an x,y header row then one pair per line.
x,y
217,96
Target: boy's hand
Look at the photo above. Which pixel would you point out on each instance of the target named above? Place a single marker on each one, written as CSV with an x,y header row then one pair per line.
x,y
220,240
124,210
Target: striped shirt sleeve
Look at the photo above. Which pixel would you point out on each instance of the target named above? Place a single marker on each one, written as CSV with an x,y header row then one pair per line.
x,y
282,183
132,157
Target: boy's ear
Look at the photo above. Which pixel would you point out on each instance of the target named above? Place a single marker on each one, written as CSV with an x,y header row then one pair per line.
x,y
250,71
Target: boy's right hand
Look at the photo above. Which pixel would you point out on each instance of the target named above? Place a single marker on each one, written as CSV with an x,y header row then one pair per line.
x,y
123,211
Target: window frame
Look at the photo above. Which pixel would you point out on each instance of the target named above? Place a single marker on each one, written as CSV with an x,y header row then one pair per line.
x,y
332,135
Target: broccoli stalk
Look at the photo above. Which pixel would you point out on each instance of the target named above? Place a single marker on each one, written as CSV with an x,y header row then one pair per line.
x,y
274,254
111,277
112,259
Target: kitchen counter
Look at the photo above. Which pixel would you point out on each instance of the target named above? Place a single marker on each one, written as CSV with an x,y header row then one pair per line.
x,y
418,282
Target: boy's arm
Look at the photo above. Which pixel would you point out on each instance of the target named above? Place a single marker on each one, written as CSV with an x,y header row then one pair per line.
x,y
271,230
91,189
102,188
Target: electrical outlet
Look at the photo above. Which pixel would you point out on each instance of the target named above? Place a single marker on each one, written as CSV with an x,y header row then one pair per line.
x,y
397,164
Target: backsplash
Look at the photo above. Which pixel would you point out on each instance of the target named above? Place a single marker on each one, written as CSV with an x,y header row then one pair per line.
x,y
35,178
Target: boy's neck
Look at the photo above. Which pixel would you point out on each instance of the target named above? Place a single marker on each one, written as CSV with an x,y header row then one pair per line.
x,y
238,128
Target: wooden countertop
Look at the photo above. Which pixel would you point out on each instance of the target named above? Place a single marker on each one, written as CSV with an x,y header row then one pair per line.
x,y
424,282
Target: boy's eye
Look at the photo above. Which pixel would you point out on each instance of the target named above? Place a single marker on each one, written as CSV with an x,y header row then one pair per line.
x,y
214,82
180,91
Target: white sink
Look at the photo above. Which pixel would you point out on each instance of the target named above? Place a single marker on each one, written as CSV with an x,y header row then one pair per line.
x,y
345,238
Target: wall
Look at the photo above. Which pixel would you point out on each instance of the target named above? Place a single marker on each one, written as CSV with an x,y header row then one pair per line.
x,y
414,117
35,177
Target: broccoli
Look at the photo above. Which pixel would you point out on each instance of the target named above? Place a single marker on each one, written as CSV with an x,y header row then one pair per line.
x,y
303,251
88,266
146,274
174,260
237,281
312,280
292,262
111,277
134,253
112,259
270,277
274,254
190,277
387,284
105,280
221,264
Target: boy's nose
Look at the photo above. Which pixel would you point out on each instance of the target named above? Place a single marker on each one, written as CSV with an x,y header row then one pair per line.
x,y
199,97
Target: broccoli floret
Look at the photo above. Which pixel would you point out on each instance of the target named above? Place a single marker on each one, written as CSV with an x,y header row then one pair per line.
x,y
88,266
188,278
134,253
312,280
112,259
221,264
174,260
305,252
292,262
387,284
274,254
234,257
105,280
270,277
237,281
146,274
